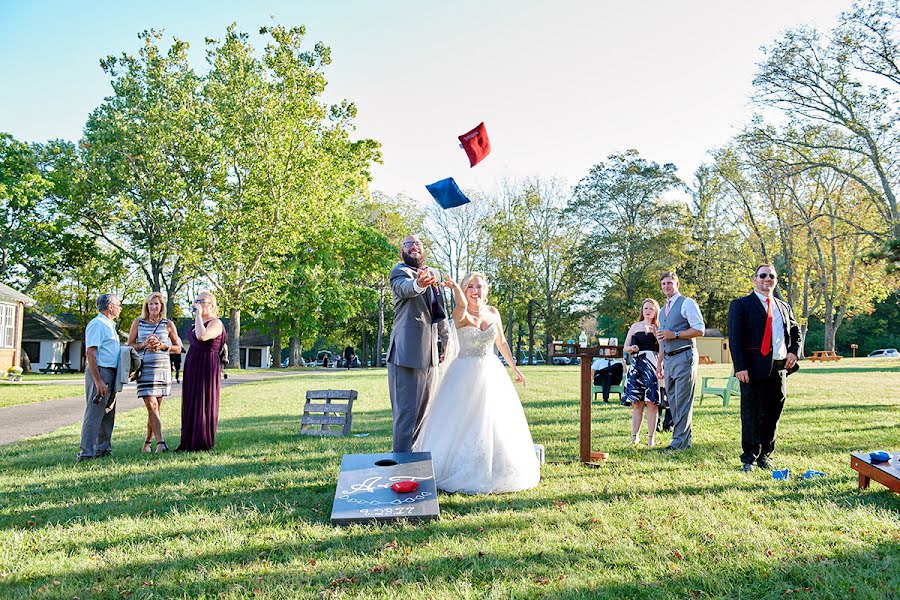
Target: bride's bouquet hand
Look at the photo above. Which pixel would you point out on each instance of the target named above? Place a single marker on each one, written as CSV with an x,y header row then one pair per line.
x,y
449,283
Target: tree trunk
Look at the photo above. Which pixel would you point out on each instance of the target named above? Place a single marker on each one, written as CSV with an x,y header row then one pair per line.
x,y
828,320
296,351
518,355
276,347
234,339
363,346
509,317
379,344
531,326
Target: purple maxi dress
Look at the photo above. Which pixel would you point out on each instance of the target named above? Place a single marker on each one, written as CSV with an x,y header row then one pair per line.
x,y
200,393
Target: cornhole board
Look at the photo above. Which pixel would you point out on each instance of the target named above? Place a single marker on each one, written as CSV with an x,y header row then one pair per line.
x,y
364,494
323,416
887,473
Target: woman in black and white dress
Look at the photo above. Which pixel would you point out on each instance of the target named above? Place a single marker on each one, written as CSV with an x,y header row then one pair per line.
x,y
154,337
641,385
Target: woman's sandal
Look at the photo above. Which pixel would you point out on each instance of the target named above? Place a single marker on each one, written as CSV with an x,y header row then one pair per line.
x,y
165,447
146,447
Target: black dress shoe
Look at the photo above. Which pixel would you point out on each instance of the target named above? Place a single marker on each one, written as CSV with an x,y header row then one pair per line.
x,y
765,463
746,468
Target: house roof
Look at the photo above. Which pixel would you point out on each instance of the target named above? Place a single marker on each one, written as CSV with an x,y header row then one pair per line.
x,y
40,326
9,294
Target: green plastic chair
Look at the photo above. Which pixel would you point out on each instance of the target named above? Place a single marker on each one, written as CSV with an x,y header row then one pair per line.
x,y
613,389
732,386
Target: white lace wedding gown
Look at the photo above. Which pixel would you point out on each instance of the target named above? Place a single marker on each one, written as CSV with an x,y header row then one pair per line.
x,y
475,427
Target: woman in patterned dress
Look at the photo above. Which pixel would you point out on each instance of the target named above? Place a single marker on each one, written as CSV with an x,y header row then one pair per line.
x,y
641,385
154,337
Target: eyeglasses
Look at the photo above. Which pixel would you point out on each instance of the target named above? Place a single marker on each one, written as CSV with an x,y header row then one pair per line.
x,y
199,301
767,275
412,244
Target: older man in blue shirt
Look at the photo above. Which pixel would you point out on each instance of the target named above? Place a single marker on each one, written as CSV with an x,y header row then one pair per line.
x,y
102,353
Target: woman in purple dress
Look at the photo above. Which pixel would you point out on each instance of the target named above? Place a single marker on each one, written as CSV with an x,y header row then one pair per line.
x,y
202,370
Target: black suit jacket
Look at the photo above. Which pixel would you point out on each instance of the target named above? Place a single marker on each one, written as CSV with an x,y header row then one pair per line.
x,y
746,325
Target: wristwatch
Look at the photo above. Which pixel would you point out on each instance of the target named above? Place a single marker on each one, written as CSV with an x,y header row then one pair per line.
x,y
676,335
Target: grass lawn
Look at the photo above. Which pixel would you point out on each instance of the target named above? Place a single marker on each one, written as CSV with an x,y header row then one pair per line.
x,y
251,518
12,394
52,377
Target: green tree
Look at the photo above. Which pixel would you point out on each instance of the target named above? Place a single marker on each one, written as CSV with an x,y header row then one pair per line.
x,y
630,233
144,161
716,264
284,165
848,80
37,242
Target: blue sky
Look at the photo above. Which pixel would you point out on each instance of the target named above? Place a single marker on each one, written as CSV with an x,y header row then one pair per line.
x,y
560,85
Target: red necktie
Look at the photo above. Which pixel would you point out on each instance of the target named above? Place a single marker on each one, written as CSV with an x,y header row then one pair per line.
x,y
766,346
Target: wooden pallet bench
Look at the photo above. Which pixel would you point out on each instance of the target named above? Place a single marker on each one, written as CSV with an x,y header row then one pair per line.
x,y
825,355
323,416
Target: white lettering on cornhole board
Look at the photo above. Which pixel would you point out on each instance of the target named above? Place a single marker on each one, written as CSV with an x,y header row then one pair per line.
x,y
327,412
364,493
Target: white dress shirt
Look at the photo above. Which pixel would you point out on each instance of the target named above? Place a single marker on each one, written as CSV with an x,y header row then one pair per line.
x,y
689,310
779,347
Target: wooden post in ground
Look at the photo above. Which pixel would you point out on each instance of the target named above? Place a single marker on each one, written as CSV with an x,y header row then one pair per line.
x,y
585,355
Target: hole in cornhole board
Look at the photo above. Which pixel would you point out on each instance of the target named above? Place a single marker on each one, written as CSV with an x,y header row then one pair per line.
x,y
364,495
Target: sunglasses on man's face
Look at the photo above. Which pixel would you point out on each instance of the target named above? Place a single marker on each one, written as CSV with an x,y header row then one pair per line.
x,y
766,275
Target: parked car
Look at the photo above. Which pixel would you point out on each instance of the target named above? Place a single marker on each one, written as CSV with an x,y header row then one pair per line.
x,y
286,360
561,360
322,356
537,359
342,362
885,353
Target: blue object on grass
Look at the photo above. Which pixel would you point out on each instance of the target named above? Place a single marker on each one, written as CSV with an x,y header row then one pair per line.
x,y
447,193
879,457
811,473
781,474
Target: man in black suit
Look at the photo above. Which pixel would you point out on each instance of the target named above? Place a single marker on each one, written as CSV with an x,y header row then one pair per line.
x,y
764,339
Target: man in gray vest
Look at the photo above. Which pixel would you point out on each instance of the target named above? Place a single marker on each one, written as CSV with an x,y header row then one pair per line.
x,y
419,321
680,322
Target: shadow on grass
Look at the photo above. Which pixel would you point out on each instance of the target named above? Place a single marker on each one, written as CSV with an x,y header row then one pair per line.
x,y
835,370
391,564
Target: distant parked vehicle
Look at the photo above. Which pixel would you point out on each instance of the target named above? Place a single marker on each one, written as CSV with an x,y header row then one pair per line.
x,y
885,353
561,360
537,359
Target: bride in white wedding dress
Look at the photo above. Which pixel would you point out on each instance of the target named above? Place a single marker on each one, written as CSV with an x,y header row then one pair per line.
x,y
475,427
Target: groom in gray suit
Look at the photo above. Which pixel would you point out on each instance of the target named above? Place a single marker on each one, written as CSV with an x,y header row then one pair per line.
x,y
419,321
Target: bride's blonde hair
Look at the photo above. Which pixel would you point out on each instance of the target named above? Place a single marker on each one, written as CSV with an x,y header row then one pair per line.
x,y
473,275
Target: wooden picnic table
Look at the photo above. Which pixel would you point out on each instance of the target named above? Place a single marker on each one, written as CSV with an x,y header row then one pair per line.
x,y
58,367
825,355
886,473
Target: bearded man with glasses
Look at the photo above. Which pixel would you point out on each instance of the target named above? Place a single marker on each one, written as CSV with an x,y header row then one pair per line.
x,y
420,321
764,338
